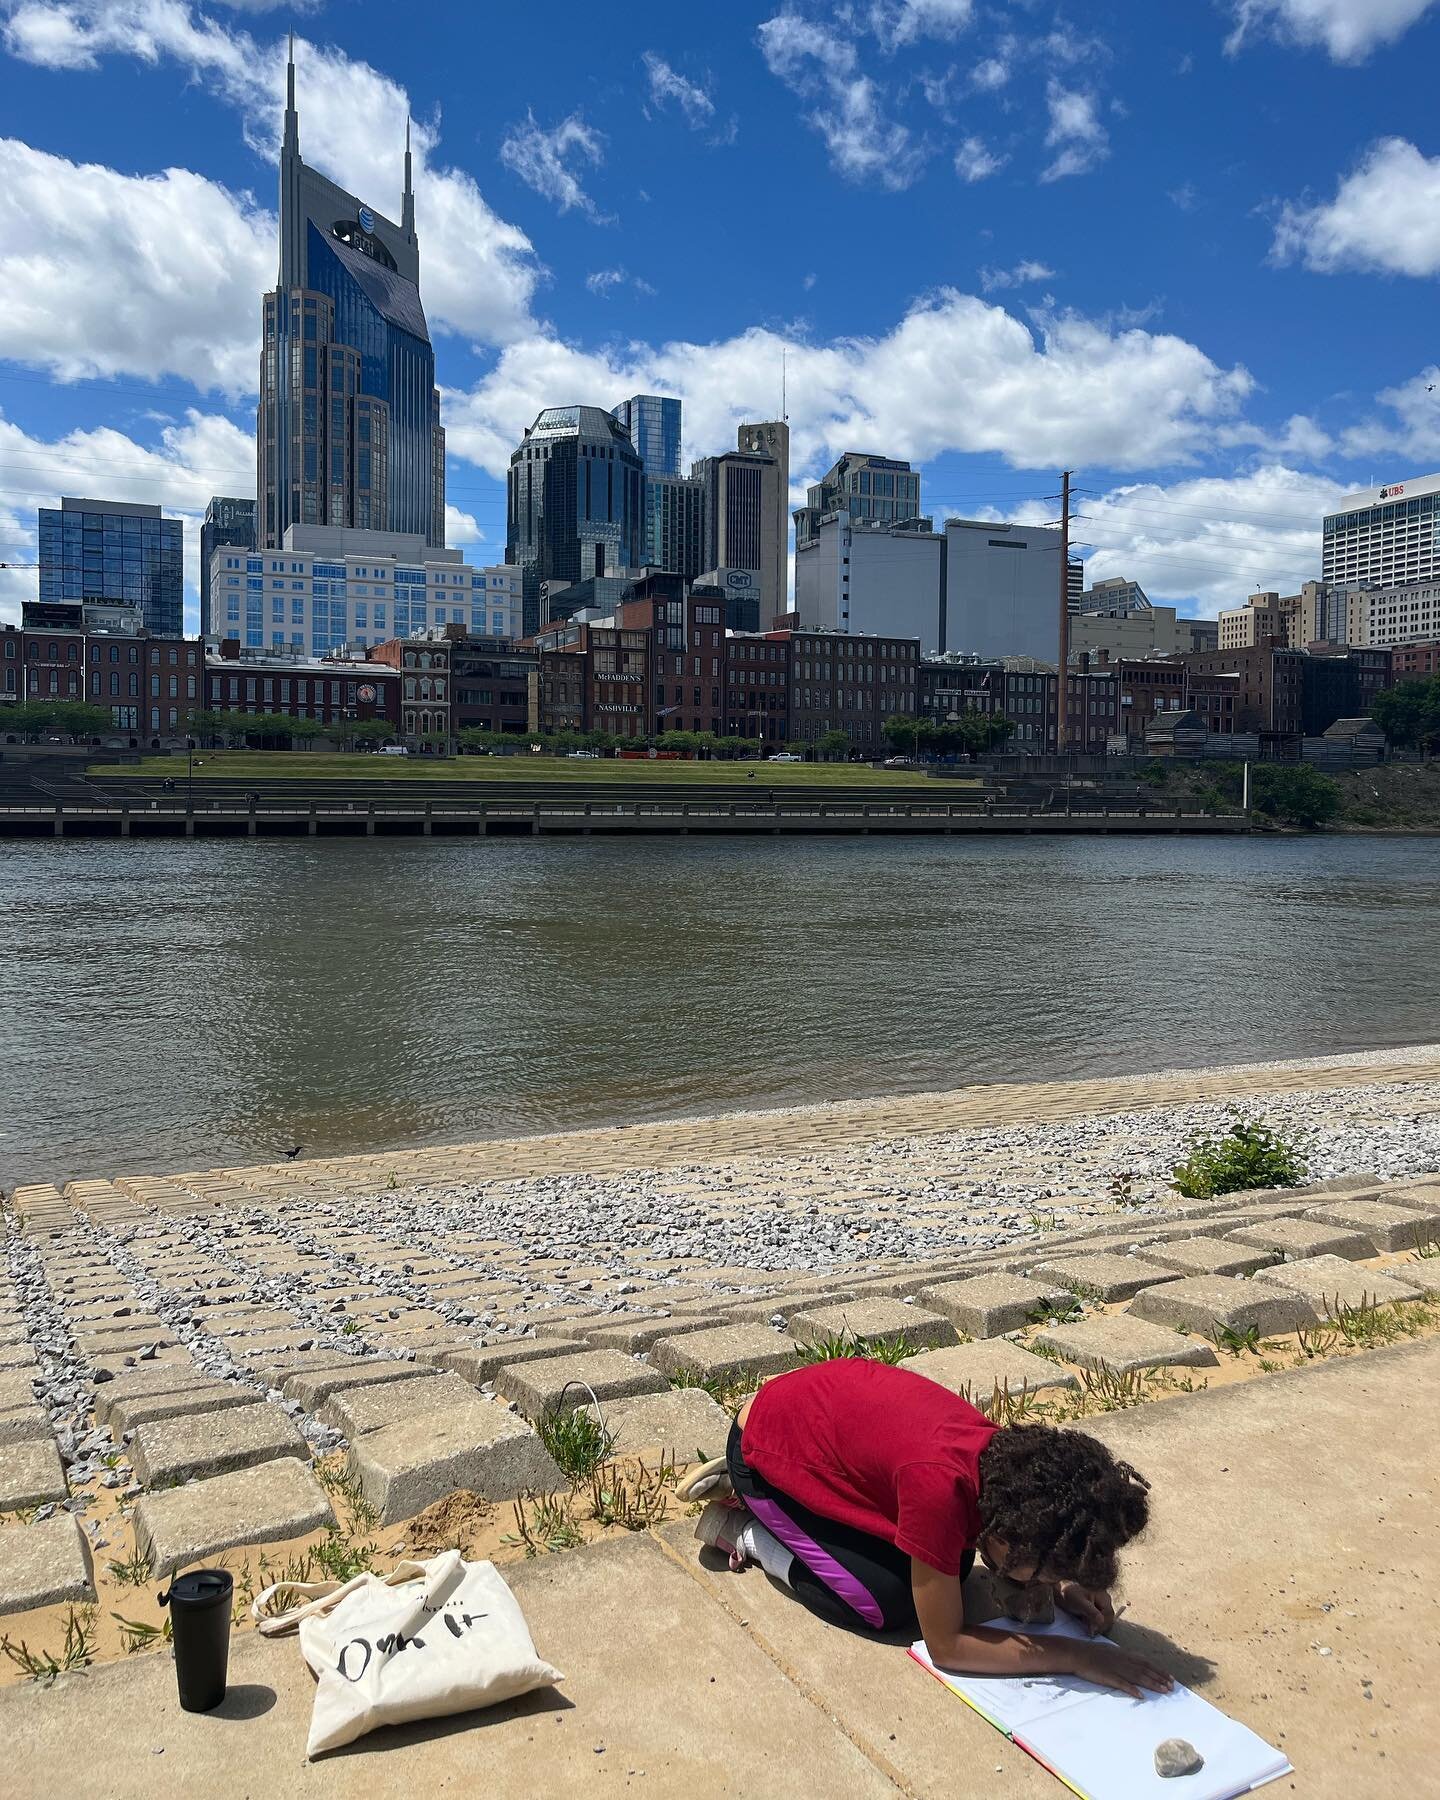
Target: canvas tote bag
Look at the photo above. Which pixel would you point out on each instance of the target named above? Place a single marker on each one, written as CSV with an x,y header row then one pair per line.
x,y
429,1639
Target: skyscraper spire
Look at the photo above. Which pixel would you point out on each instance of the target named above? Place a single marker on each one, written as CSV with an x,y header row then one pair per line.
x,y
407,204
292,120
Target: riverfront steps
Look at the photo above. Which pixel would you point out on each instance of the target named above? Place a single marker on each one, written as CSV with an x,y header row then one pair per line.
x,y
571,818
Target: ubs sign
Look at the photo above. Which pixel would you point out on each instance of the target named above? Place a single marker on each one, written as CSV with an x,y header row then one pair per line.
x,y
1389,493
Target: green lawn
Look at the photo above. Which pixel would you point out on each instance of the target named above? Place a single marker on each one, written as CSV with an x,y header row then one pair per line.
x,y
281,764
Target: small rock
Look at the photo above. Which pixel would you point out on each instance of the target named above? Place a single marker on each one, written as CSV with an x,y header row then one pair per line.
x,y
1177,1756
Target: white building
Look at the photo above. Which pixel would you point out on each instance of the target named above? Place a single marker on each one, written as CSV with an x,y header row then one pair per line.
x,y
330,587
1385,537
1398,615
1002,590
871,578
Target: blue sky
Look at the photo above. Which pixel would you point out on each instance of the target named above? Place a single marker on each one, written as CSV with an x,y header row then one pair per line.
x,y
1188,251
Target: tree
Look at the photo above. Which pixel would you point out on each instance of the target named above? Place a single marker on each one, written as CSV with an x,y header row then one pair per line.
x,y
1295,794
1409,713
56,718
371,731
833,744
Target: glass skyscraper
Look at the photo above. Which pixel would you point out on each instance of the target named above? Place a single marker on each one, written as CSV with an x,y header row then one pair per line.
x,y
653,421
348,427
227,521
573,502
115,550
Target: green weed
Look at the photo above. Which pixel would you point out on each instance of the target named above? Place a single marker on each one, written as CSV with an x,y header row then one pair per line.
x,y
542,1523
844,1343
578,1442
77,1649
1044,1222
1249,1155
1237,1340
341,1559
633,1501
727,1391
136,1634
1055,1312
134,1571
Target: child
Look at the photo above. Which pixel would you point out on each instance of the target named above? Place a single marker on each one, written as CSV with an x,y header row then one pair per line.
x,y
868,1490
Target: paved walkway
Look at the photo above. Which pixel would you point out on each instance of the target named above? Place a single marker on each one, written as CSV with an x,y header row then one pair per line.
x,y
1292,1516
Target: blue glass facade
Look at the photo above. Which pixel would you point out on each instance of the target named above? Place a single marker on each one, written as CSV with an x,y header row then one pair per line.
x,y
653,421
101,551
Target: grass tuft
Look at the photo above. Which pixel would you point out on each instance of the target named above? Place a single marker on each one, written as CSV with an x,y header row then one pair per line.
x,y
577,1441
77,1649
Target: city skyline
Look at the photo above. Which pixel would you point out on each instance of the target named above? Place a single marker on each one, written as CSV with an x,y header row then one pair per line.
x,y
567,243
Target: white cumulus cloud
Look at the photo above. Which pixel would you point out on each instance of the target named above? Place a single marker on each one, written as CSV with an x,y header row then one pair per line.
x,y
1076,135
542,158
1021,275
1348,29
1385,216
974,162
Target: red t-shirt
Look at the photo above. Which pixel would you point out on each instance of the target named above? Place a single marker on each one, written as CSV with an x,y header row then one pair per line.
x,y
876,1447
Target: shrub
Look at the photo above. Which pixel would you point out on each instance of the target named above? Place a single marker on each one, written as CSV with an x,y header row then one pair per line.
x,y
1295,794
1249,1155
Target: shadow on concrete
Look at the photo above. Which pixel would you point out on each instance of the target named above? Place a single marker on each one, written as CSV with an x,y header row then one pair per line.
x,y
425,1731
249,1700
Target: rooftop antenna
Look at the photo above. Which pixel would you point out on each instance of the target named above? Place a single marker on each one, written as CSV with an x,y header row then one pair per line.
x,y
407,205
784,407
292,123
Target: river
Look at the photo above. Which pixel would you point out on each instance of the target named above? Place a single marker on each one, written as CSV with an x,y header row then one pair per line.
x,y
171,1006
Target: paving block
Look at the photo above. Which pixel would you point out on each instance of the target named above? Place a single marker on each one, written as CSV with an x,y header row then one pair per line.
x,y
274,1366
311,1387
869,1321
124,1335
19,1424
1418,1196
1211,1256
262,1505
1331,1282
977,1370
214,1443
16,1389
356,1410
562,1383
684,1424
201,1397
1205,1304
1104,1277
482,1447
726,1353
634,1335
105,1365
1387,1227
984,1306
145,1379
1121,1343
481,1363
1298,1239
44,1564
31,1474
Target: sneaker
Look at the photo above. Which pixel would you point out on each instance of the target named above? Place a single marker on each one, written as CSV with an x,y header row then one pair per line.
x,y
711,1481
718,1527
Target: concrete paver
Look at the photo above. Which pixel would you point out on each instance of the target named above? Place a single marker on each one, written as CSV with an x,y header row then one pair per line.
x,y
43,1563
562,1383
870,1321
481,1363
1330,1282
1387,1227
633,1336
205,1397
684,1424
977,1370
261,1505
985,1306
1104,1277
311,1387
356,1410
214,1443
1210,1256
727,1353
1295,1239
1122,1343
143,1380
31,1474
482,1447
1211,1303
18,1424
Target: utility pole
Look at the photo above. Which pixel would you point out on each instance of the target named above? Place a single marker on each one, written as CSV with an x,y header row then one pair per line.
x,y
1062,723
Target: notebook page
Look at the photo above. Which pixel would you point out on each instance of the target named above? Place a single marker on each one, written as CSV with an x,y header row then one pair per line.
x,y
1106,1747
1011,1701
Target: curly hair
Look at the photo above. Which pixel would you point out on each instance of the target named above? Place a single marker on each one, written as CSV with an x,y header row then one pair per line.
x,y
1061,1501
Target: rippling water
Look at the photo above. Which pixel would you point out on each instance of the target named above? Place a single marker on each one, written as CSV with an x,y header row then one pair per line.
x,y
170,1006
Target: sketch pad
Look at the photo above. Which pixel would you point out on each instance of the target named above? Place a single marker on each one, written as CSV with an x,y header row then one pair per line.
x,y
1101,1742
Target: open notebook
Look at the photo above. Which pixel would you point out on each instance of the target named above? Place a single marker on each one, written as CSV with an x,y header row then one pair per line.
x,y
1101,1742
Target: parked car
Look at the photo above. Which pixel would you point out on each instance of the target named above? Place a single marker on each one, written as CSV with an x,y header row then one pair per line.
x,y
583,755
785,756
898,762
394,749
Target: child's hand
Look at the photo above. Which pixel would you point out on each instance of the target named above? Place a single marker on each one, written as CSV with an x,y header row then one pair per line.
x,y
1093,1607
1114,1668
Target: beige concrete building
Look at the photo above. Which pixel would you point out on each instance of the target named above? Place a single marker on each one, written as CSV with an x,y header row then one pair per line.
x,y
1264,616
1155,631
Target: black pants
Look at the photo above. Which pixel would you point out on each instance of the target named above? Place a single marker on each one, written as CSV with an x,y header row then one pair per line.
x,y
841,1574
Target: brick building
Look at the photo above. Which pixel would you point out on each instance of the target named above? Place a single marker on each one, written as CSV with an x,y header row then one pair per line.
x,y
1410,660
594,677
843,682
1285,693
424,666
333,690
489,682
687,648
101,655
757,688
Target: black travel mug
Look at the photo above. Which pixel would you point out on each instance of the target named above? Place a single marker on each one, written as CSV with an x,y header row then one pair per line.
x,y
199,1605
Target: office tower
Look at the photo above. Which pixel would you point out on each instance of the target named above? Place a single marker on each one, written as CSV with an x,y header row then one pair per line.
x,y
1002,587
1074,583
674,524
573,502
865,487
872,577
115,550
653,421
771,437
746,511
1116,595
1384,537
348,427
229,522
